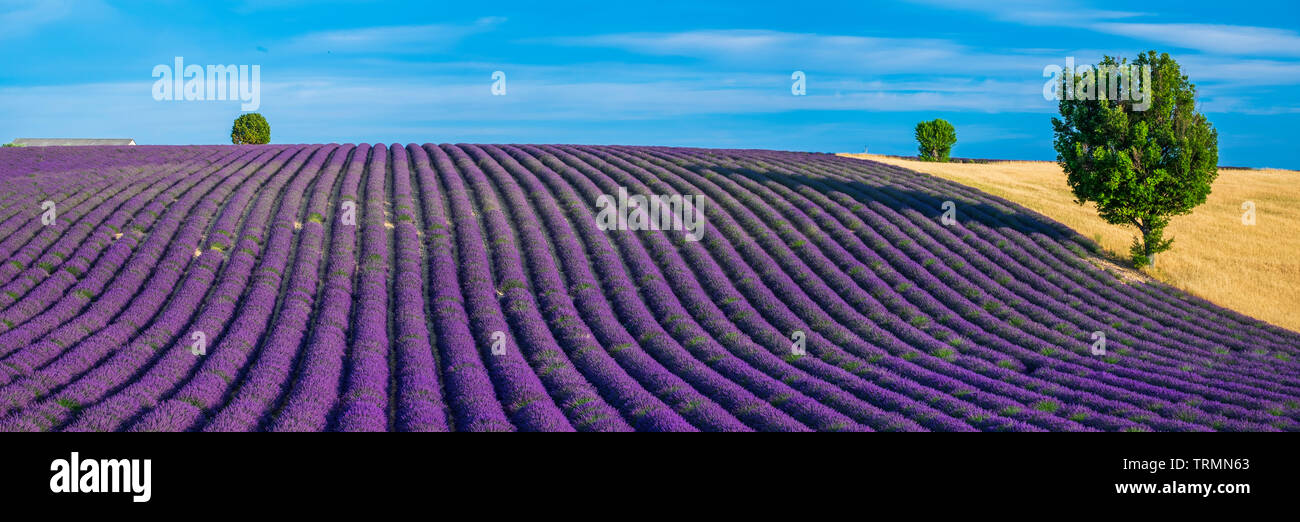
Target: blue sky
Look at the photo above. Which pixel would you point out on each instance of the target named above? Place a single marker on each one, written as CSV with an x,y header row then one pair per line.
x,y
697,73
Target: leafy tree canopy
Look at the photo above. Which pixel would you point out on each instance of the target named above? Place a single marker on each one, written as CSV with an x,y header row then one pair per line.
x,y
1143,155
935,139
251,129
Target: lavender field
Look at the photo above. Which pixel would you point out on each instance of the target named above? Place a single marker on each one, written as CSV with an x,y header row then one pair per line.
x,y
469,288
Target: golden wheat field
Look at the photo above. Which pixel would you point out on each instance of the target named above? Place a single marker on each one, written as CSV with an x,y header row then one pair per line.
x,y
1254,269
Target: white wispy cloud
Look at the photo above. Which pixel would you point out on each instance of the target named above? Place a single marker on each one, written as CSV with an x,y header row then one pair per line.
x,y
1238,73
1035,12
1208,38
400,39
1212,38
1244,105
766,48
310,104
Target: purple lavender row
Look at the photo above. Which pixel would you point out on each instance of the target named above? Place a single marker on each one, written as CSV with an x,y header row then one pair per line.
x,y
824,383
628,376
598,363
1032,295
1249,377
70,295
579,400
161,284
807,314
39,353
85,354
716,283
419,404
364,403
203,390
25,236
1040,357
815,247
1071,288
524,397
635,323
1166,349
74,224
69,186
470,393
314,392
842,324
139,383
22,203
911,325
849,287
906,384
51,273
1134,362
64,163
55,259
15,208
101,188
270,374
45,256
1158,303
98,355
1227,321
947,322
1181,344
670,311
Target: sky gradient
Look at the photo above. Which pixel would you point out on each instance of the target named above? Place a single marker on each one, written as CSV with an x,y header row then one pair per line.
x,y
707,74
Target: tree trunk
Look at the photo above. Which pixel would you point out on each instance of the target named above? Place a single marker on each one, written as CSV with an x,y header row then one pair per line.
x,y
1146,246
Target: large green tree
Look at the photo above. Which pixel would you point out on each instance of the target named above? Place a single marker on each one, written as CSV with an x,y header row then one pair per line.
x,y
252,129
1141,159
934,139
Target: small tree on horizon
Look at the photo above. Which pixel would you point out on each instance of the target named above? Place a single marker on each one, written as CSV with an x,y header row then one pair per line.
x,y
1141,167
250,129
935,139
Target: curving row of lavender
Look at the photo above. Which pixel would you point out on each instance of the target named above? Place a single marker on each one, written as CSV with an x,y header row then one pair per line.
x,y
469,288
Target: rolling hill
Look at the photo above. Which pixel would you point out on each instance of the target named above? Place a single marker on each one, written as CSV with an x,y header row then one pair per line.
x,y
470,287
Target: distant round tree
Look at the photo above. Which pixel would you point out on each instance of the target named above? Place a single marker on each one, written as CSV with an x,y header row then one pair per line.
x,y
250,129
935,139
1143,157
